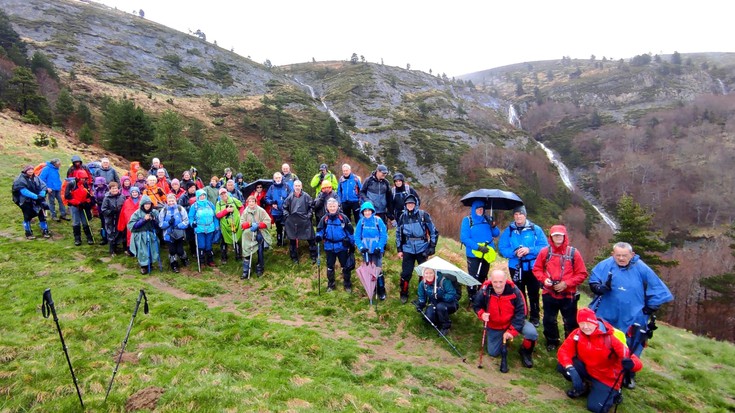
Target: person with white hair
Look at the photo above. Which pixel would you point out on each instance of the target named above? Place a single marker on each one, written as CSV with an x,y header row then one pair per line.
x,y
106,171
155,166
348,192
288,177
277,193
297,213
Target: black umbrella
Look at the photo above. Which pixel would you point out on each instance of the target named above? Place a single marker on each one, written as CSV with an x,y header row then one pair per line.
x,y
250,188
493,198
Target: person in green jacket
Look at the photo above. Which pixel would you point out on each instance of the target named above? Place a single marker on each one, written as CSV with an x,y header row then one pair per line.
x,y
323,175
228,210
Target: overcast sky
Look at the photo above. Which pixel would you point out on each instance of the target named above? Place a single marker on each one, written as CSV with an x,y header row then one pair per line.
x,y
453,37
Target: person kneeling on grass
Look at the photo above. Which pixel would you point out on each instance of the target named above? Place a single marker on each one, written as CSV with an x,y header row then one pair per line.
x,y
594,359
256,223
438,295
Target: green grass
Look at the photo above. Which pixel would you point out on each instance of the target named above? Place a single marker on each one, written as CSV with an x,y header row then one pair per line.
x,y
215,343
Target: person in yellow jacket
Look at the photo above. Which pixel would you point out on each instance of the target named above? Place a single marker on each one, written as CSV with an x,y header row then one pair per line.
x,y
323,175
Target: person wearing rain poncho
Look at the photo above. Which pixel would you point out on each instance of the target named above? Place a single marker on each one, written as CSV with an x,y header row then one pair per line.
x,y
228,209
143,240
128,209
477,233
255,223
29,193
202,218
371,235
174,221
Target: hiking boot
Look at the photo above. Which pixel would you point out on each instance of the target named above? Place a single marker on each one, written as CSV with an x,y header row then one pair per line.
x,y
295,261
381,297
46,233
348,290
77,235
629,383
330,289
259,273
29,235
573,394
404,299
185,262
444,331
551,347
56,219
104,241
88,233
65,218
144,270
535,322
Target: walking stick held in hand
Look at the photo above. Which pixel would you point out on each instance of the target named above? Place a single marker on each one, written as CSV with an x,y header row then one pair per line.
x,y
196,243
48,308
482,345
319,268
125,342
250,260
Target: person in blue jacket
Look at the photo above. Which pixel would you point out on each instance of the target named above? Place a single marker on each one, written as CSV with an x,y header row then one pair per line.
x,y
371,236
277,193
29,193
203,219
477,234
348,192
627,292
416,238
438,295
520,243
335,229
50,176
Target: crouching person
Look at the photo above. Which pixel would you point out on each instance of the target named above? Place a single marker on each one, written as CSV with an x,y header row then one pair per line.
x,y
501,306
337,232
143,239
594,359
174,220
438,296
255,223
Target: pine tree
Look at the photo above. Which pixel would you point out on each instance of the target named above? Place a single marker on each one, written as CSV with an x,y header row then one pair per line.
x,y
253,168
23,89
9,40
85,134
635,229
128,130
224,155
85,115
171,144
64,106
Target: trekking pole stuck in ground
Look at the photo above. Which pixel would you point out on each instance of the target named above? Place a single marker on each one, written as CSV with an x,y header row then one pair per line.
x,y
319,268
48,308
482,344
196,243
125,342
504,357
464,360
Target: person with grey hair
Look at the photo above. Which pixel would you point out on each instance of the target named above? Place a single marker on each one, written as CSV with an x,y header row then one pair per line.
x,y
348,192
297,213
155,166
337,233
628,293
50,176
106,171
288,177
277,193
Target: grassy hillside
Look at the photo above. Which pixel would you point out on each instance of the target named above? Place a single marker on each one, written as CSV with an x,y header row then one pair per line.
x,y
214,343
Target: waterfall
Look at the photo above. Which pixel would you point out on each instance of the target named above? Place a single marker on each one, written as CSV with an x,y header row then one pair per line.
x,y
723,89
513,118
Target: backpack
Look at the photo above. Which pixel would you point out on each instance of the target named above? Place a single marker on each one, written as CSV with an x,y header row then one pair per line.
x,y
618,334
453,279
37,170
16,197
569,256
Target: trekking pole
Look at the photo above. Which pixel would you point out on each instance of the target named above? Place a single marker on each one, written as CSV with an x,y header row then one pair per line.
x,y
482,345
464,360
504,357
319,268
48,308
250,260
158,249
150,255
612,390
127,335
196,243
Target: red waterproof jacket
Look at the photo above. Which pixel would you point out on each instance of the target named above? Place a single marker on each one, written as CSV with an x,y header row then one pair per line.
x,y
128,208
77,194
507,310
601,353
560,266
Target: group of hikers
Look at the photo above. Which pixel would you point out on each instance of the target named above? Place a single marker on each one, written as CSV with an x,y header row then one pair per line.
x,y
145,208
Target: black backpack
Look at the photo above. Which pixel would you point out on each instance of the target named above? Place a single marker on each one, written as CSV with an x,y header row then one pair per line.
x,y
457,286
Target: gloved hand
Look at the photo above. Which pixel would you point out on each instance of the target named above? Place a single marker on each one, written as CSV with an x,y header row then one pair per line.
x,y
347,244
363,250
171,221
628,365
648,310
193,225
377,251
419,306
253,228
393,223
42,194
483,249
599,289
577,383
318,238
431,251
245,225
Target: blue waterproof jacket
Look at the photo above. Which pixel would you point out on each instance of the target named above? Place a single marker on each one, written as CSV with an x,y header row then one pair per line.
x,y
336,232
349,188
370,233
181,222
513,237
202,214
475,229
50,176
276,195
411,232
632,287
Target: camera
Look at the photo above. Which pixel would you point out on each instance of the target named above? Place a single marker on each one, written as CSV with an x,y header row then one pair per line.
x,y
555,282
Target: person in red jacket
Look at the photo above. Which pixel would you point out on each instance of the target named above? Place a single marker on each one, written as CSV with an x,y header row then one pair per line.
x,y
594,360
559,268
502,307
